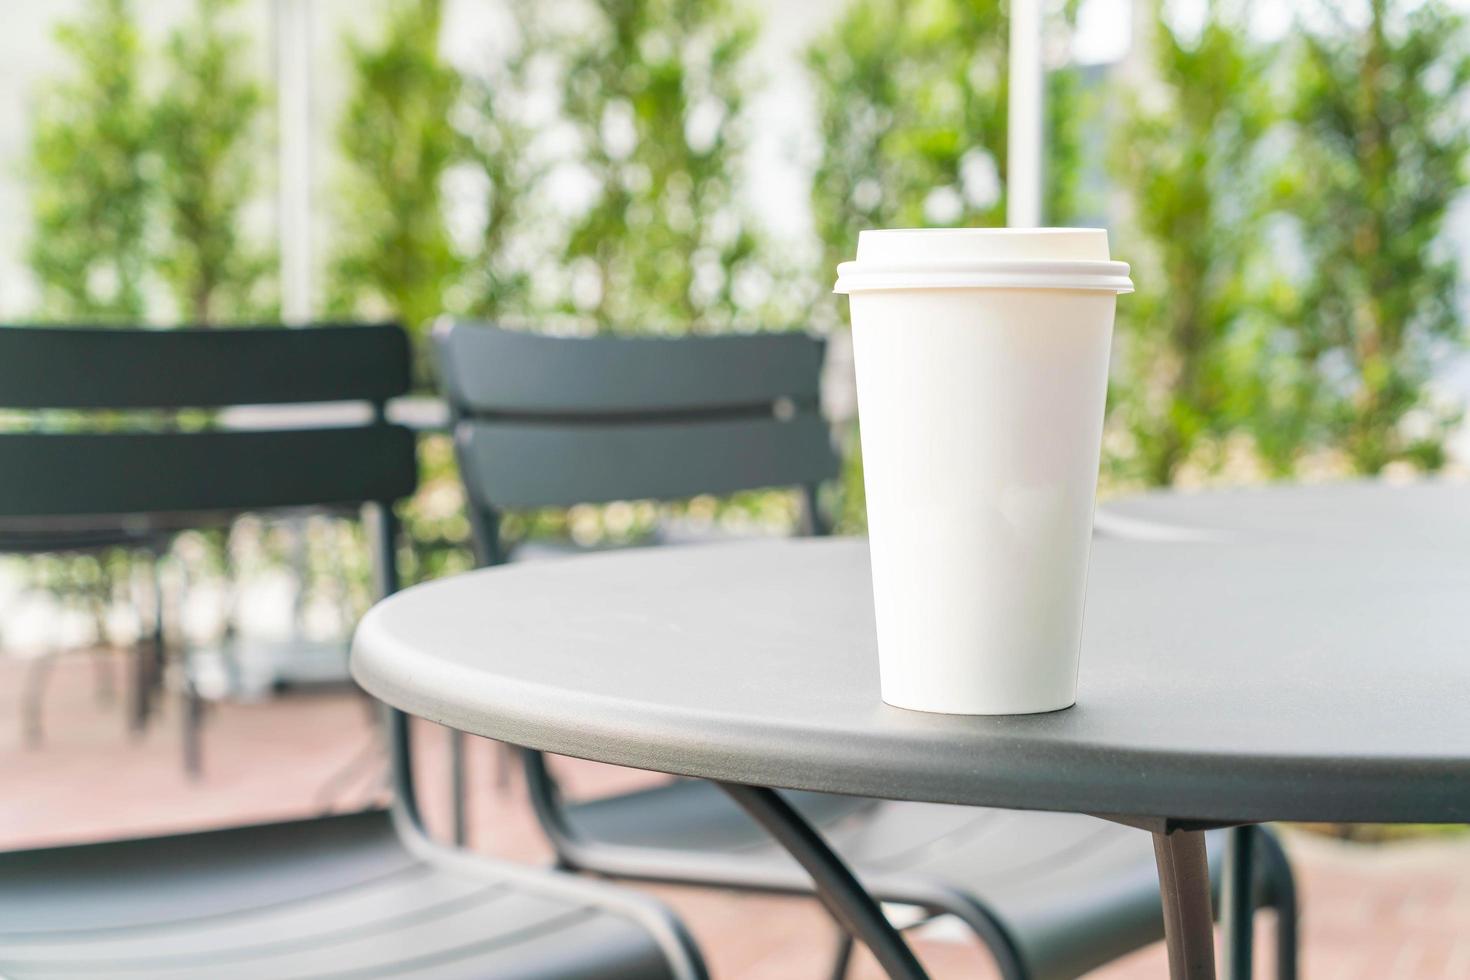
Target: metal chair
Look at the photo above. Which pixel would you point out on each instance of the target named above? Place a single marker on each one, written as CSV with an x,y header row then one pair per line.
x,y
344,895
548,421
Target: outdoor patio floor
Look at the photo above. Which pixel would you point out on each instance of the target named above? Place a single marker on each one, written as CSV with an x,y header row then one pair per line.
x,y
1386,912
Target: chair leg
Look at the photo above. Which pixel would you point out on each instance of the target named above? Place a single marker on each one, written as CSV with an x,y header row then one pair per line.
x,y
505,761
140,686
842,959
34,696
810,522
457,792
1280,883
148,661
1238,904
104,684
100,655
160,652
193,723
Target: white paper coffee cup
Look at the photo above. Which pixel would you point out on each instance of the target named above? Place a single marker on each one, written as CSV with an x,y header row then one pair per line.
x,y
982,362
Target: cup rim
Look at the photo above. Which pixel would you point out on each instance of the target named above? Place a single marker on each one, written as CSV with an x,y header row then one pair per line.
x,y
985,230
1092,275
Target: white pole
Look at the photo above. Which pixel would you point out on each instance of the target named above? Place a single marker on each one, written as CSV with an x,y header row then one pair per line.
x,y
1026,136
292,19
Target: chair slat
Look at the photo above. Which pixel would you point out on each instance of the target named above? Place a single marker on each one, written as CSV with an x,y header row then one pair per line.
x,y
90,368
528,464
126,473
490,371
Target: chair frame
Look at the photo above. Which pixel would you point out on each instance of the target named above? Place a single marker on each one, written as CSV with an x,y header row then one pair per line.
x,y
651,395
685,960
162,374
130,369
754,392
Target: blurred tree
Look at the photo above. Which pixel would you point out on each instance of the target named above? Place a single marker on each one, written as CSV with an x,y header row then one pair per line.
x,y
203,127
1380,158
911,107
1186,152
398,140
656,92
89,179
395,256
499,143
911,113
1069,110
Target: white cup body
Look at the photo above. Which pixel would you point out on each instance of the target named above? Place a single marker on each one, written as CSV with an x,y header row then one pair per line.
x,y
981,414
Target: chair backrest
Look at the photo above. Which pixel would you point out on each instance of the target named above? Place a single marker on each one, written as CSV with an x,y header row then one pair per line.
x,y
543,421
95,467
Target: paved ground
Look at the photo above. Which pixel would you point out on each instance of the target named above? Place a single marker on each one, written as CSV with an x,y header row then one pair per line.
x,y
1370,913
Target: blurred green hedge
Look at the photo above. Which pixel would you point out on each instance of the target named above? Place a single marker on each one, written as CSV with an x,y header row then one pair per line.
x,y
1283,201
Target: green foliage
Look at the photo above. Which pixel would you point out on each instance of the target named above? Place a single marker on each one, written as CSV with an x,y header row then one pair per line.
x,y
1380,158
911,108
1223,338
395,257
205,130
911,103
89,182
122,184
1187,150
498,144
655,91
109,167
1069,110
396,136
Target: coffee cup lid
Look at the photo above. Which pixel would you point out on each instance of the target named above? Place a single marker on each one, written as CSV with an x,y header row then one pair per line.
x,y
996,258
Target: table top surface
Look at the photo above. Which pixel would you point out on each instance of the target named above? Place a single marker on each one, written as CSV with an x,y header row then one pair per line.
x,y
1234,679
1432,514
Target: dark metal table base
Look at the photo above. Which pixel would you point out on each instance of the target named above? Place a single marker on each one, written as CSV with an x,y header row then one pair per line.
x,y
847,900
1184,886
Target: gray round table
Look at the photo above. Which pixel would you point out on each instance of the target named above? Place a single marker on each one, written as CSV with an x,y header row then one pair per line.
x,y
1223,682
1429,514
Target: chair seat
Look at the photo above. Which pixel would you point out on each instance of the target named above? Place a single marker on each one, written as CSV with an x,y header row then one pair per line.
x,y
336,896
1071,892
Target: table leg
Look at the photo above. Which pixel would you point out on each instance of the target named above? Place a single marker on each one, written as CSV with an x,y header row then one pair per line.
x,y
458,798
839,890
1184,885
1237,901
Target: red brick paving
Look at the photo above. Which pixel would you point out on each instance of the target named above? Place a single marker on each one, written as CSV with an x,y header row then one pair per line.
x,y
1390,912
